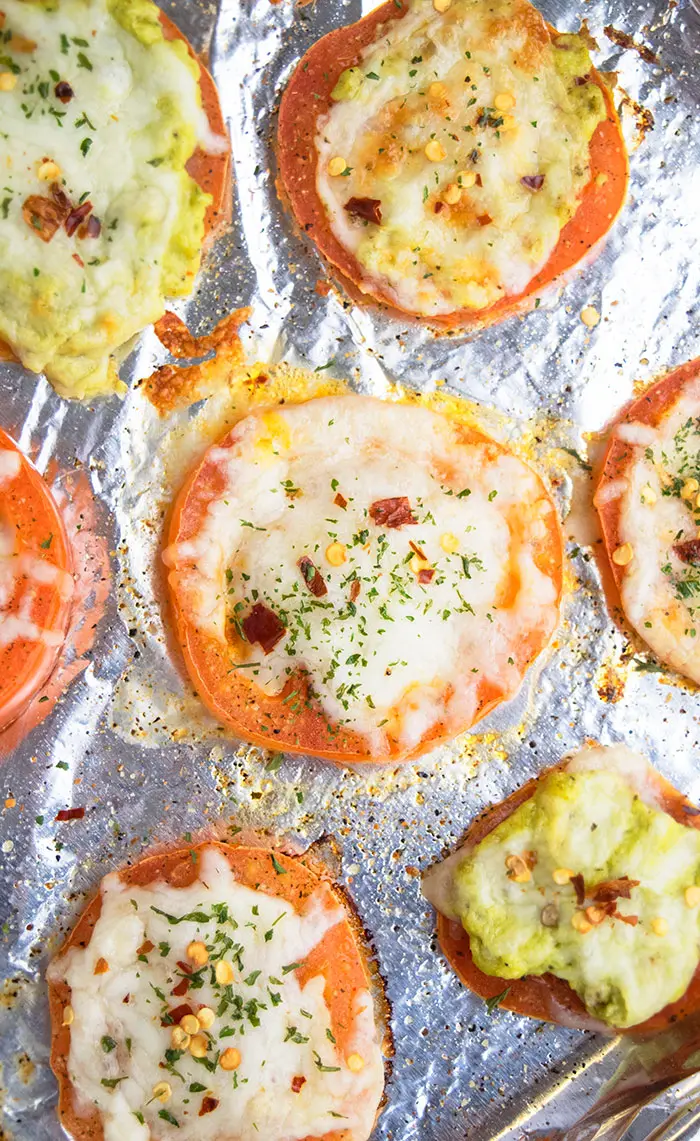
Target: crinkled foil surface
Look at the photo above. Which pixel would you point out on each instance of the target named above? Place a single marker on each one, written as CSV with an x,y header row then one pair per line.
x,y
129,742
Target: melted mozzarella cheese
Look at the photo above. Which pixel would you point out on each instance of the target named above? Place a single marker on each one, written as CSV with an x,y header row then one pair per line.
x,y
660,593
282,1030
382,648
459,228
120,142
10,465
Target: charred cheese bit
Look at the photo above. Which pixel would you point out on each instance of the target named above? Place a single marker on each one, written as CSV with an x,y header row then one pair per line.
x,y
624,932
411,620
655,501
273,1032
407,121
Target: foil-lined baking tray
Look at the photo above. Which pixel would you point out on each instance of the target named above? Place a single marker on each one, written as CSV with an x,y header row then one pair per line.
x,y
128,741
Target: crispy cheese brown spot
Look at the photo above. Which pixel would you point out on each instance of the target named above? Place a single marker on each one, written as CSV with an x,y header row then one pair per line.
x,y
369,209
394,512
297,1082
209,1104
312,577
688,552
263,626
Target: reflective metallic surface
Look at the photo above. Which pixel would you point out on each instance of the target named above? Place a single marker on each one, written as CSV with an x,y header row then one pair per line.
x,y
128,740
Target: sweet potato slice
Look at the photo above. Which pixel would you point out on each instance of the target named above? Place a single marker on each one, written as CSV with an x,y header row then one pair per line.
x,y
307,99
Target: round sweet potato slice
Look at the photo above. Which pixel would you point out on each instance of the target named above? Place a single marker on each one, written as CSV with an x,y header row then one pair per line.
x,y
307,99
547,997
647,501
36,583
340,958
217,653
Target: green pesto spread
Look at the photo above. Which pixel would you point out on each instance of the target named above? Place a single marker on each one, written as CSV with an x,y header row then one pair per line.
x,y
626,963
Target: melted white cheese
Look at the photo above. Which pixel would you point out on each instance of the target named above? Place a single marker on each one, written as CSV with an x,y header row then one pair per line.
x,y
404,653
439,79
256,1100
65,304
660,594
10,465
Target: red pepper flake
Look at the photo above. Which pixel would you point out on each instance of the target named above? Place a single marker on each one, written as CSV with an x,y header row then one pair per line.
x,y
369,209
175,1016
631,920
438,207
43,215
297,1082
479,180
688,552
395,512
340,501
60,198
610,890
145,948
209,1104
126,999
426,575
577,882
63,91
263,626
354,589
181,989
312,577
484,219
91,229
76,217
184,967
532,181
101,967
70,814
416,549
77,257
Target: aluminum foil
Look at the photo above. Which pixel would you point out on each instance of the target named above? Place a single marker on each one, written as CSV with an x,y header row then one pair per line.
x,y
129,742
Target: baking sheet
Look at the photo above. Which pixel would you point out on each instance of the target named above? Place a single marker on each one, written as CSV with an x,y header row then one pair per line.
x,y
130,743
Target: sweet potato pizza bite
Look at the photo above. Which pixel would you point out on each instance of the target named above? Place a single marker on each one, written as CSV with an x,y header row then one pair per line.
x,y
115,166
215,993
578,897
359,579
451,157
36,583
648,500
